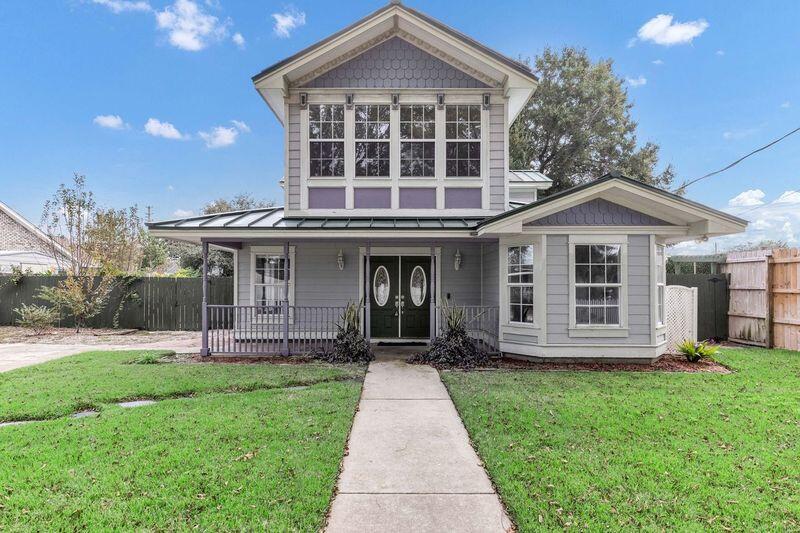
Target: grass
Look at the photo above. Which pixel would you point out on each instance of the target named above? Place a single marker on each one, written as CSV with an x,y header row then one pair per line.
x,y
266,458
89,380
650,451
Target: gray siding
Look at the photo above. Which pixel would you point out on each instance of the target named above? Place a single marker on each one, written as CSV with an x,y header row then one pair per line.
x,y
598,212
463,286
395,63
497,157
638,293
293,158
491,280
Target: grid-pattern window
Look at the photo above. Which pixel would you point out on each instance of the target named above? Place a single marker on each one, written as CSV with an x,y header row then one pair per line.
x,y
269,284
417,141
661,283
520,284
463,132
326,140
598,273
372,140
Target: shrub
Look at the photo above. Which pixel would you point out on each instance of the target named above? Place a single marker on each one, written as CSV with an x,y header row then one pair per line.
x,y
350,345
38,318
455,348
146,359
695,351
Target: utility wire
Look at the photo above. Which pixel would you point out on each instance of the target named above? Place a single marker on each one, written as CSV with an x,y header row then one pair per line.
x,y
776,141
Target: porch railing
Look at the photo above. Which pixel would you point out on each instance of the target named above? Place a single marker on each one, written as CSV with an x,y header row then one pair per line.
x,y
482,323
263,330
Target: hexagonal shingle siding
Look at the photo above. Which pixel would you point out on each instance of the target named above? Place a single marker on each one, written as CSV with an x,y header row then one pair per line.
x,y
396,64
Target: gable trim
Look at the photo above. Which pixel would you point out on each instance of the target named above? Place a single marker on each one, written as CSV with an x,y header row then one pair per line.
x,y
35,231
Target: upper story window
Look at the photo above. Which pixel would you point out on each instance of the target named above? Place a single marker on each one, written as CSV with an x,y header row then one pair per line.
x,y
326,140
463,132
418,141
372,140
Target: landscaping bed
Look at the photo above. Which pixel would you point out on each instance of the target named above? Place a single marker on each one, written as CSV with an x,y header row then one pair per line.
x,y
642,450
15,334
667,363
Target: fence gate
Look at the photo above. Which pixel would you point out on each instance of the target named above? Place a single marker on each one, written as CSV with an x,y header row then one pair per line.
x,y
681,311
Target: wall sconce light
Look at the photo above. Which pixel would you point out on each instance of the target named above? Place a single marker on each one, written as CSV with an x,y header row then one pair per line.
x,y
303,100
340,260
487,100
348,100
395,100
457,260
440,100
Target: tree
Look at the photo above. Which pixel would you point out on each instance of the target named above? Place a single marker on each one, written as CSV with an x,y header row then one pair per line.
x,y
240,202
577,126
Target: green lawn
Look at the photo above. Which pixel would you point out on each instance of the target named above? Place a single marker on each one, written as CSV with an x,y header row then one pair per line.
x,y
642,450
88,380
265,458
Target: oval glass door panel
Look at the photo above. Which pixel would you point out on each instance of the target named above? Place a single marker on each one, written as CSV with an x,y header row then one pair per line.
x,y
419,286
380,286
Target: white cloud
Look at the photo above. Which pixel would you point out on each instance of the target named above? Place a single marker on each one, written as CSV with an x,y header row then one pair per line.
x,y
219,137
182,213
786,105
636,82
156,128
189,27
238,40
747,198
113,122
241,126
658,62
735,135
287,21
662,30
170,188
121,6
720,52
777,220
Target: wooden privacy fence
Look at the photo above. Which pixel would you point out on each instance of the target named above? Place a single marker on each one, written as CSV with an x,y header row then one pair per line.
x,y
712,302
157,304
765,297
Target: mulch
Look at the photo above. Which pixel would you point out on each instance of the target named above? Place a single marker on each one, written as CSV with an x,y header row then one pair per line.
x,y
667,363
240,360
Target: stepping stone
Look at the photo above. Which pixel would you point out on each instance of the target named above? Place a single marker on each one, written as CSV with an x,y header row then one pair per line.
x,y
84,414
136,403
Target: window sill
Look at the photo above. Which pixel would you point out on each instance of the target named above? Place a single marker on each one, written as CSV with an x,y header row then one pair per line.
x,y
525,325
605,332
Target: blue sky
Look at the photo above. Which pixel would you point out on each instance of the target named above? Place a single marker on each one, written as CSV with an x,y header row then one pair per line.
x,y
82,80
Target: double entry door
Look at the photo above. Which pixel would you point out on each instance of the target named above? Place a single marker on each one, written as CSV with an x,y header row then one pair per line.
x,y
400,299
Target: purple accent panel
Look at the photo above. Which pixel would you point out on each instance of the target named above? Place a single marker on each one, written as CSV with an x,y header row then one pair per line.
x,y
372,198
457,198
417,198
326,198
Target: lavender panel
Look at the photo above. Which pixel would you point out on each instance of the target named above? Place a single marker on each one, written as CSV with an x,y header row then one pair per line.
x,y
417,198
457,198
372,198
326,198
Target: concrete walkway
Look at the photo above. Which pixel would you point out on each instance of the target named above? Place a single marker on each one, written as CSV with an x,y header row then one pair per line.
x,y
410,466
19,355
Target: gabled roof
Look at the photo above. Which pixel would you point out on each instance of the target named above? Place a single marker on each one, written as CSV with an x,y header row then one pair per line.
x,y
38,233
397,20
527,176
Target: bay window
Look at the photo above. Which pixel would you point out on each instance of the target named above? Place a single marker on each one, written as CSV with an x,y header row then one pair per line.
x,y
326,140
372,140
597,284
418,141
463,147
661,283
520,284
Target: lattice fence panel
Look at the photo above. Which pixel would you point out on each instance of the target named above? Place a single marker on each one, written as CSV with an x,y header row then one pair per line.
x,y
681,311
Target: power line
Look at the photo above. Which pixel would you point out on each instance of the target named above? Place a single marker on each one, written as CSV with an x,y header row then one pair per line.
x,y
776,141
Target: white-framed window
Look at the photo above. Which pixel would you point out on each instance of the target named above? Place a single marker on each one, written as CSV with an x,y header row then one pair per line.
x,y
418,141
661,283
372,131
598,284
326,140
463,146
268,279
520,284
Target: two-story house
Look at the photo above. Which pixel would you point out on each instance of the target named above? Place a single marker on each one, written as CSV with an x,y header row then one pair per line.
x,y
398,194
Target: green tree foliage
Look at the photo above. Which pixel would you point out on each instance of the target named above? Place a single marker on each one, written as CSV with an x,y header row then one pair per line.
x,y
578,126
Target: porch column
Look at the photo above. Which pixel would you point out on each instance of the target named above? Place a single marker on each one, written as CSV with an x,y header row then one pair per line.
x,y
204,308
367,295
286,298
433,294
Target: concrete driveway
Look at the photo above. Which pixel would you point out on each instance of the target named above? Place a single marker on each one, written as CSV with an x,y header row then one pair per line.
x,y
19,355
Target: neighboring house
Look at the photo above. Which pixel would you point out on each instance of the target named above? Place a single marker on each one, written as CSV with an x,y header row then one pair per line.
x,y
398,192
24,245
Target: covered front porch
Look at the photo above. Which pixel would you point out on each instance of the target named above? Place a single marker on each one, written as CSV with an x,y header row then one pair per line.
x,y
290,295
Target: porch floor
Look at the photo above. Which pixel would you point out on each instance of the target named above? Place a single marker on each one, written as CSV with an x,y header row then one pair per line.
x,y
410,465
